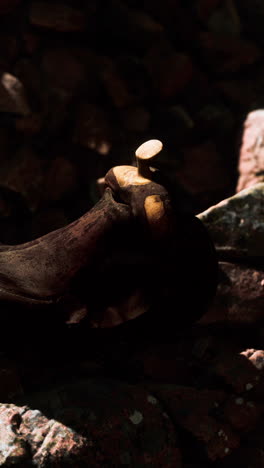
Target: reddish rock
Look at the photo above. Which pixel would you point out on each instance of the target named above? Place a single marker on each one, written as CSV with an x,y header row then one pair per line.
x,y
115,86
57,16
93,129
60,180
9,49
30,43
136,119
245,457
243,414
128,26
29,125
228,54
225,20
242,92
13,448
240,296
31,76
191,409
256,357
236,371
251,159
63,69
12,95
170,72
165,363
84,429
211,179
215,118
24,174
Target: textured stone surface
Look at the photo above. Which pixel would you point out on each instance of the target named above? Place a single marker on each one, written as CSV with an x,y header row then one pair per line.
x,y
12,95
228,54
24,174
236,224
191,408
240,296
251,160
57,16
91,423
194,157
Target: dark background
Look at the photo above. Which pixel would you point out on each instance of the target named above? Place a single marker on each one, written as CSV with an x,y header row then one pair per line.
x,y
96,79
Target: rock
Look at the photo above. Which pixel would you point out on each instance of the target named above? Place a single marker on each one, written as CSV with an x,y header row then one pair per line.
x,y
57,16
225,20
29,125
13,448
21,428
226,53
236,371
236,224
9,50
31,43
75,424
12,95
193,409
133,28
240,296
114,84
170,72
93,129
136,119
245,457
60,180
24,174
215,119
164,362
206,185
256,357
251,159
63,69
242,413
242,93
31,76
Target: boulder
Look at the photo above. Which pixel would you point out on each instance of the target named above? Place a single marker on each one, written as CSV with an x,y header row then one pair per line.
x,y
236,224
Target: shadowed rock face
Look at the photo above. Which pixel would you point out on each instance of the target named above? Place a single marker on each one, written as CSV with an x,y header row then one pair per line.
x,y
236,224
132,430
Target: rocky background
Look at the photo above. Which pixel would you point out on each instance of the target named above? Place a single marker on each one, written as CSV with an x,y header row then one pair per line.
x,y
82,85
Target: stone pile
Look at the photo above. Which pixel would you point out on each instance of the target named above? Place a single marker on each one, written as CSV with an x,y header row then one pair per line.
x,y
83,83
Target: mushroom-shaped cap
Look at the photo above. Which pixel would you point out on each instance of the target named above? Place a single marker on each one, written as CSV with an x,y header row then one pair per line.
x,y
146,154
124,176
148,200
